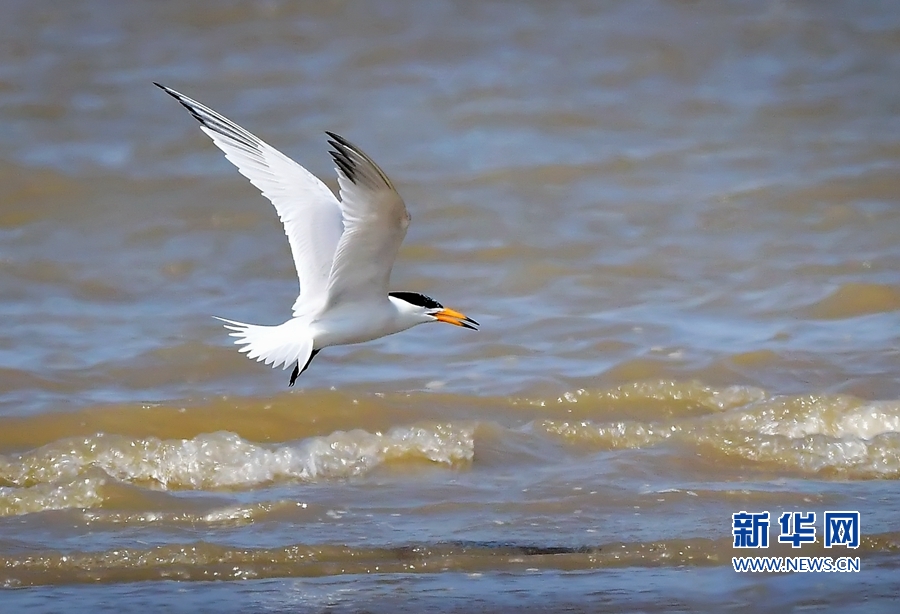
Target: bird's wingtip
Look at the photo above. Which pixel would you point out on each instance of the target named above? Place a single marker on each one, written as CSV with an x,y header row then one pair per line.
x,y
168,90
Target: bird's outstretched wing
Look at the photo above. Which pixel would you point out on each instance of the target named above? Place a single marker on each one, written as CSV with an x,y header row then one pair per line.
x,y
310,212
375,222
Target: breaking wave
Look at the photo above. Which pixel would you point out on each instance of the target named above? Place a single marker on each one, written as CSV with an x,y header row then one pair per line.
x,y
827,435
72,472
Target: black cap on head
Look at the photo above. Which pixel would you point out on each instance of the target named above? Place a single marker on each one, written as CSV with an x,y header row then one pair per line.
x,y
415,298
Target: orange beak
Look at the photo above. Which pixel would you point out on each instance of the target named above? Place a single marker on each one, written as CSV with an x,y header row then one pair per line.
x,y
456,318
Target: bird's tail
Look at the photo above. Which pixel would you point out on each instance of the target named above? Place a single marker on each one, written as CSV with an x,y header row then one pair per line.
x,y
278,346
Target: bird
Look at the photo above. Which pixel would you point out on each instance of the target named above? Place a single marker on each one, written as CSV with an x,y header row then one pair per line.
x,y
343,248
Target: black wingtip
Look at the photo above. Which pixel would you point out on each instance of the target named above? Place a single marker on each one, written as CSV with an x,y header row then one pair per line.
x,y
342,155
169,91
357,165
337,137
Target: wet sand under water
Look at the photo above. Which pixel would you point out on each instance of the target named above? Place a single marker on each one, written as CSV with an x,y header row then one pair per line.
x,y
677,224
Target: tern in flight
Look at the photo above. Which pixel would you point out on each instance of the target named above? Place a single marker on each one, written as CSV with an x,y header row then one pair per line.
x,y
343,249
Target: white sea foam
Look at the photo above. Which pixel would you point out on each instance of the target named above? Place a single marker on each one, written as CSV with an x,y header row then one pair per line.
x,y
225,460
82,492
824,433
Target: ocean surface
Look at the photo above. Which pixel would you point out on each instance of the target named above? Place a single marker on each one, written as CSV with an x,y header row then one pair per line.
x,y
677,222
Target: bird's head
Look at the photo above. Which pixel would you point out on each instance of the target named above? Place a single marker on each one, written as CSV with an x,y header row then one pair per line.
x,y
426,309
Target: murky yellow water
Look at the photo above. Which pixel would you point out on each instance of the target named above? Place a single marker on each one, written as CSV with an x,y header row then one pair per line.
x,y
676,222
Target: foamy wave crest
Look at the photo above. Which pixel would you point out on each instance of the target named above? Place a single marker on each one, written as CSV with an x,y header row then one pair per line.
x,y
225,460
830,435
81,492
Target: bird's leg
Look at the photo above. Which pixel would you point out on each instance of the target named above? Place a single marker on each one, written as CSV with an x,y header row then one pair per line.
x,y
297,370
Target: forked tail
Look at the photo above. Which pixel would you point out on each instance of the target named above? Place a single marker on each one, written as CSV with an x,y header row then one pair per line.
x,y
280,346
